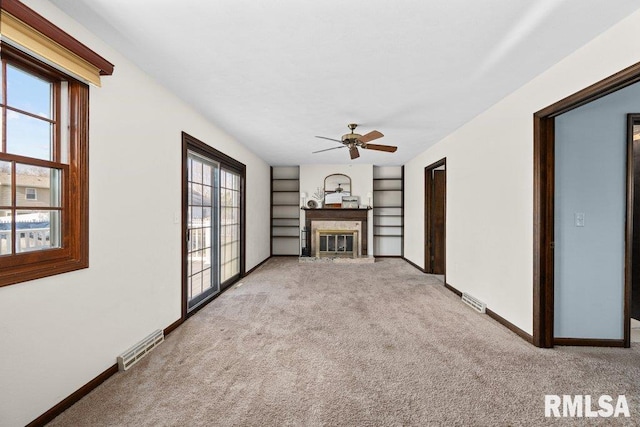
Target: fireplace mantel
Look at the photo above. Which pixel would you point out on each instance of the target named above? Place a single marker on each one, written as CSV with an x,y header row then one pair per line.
x,y
337,214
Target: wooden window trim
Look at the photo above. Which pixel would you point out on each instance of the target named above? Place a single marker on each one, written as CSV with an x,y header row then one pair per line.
x,y
74,252
48,29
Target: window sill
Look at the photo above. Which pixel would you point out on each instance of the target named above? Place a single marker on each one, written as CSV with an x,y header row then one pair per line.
x,y
24,273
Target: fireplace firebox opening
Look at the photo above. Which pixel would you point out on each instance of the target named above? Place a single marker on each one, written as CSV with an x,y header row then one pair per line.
x,y
336,243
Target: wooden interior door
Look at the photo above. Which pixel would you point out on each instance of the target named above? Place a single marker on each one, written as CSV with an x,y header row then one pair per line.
x,y
438,214
435,217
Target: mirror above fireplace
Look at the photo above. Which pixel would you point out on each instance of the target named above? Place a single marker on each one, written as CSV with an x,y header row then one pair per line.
x,y
335,187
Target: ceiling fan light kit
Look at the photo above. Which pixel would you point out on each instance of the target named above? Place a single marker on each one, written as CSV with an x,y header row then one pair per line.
x,y
354,140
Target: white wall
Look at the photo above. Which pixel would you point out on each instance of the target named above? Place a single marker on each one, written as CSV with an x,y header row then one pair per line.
x,y
58,333
490,180
312,177
590,178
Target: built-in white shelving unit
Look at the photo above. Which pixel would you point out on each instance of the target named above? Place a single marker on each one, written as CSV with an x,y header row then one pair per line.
x,y
285,210
388,210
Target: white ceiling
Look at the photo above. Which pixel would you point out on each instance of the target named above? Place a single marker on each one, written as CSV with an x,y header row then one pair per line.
x,y
274,74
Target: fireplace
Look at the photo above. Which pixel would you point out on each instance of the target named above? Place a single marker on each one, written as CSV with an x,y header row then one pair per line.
x,y
327,231
336,232
340,243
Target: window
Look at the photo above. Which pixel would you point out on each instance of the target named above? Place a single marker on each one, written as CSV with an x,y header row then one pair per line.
x,y
42,225
30,194
43,145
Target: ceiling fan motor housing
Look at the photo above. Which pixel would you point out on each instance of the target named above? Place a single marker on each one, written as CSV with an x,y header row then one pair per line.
x,y
350,138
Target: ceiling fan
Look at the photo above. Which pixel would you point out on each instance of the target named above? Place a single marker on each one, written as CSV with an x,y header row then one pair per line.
x,y
353,141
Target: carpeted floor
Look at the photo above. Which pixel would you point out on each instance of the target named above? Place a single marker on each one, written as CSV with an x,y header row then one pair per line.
x,y
351,345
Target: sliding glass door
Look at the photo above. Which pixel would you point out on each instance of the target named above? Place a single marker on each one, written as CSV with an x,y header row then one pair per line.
x,y
213,222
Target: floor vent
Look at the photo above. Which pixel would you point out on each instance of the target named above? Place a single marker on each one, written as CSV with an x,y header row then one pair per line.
x,y
138,351
474,303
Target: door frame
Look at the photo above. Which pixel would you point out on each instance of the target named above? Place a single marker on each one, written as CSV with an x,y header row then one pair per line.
x,y
633,229
543,211
428,195
189,143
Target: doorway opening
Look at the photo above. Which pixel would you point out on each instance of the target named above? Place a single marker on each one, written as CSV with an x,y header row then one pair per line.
x,y
435,208
543,221
633,151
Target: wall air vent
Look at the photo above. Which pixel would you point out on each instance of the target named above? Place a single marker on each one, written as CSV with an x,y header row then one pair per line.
x,y
138,351
474,303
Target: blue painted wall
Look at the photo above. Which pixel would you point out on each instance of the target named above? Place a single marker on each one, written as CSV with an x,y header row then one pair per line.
x,y
591,179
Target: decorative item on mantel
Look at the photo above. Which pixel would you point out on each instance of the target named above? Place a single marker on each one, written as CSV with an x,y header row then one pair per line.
x,y
350,202
333,200
319,198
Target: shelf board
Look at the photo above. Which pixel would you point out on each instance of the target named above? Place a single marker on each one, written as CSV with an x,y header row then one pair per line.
x,y
285,217
389,216
387,235
388,226
389,207
388,189
387,179
285,191
286,204
285,179
285,226
285,237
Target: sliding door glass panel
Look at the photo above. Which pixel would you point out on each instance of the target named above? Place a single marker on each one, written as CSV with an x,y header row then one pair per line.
x,y
203,278
229,225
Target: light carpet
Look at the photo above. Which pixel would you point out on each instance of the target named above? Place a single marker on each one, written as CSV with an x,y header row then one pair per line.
x,y
351,345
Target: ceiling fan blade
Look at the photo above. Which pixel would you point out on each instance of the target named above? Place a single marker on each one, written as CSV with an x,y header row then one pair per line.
x,y
374,134
327,149
353,151
387,148
330,139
